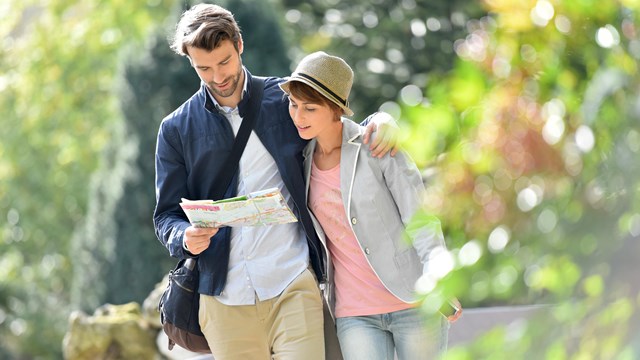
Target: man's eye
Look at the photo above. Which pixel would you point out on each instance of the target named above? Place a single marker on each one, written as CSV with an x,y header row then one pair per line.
x,y
310,109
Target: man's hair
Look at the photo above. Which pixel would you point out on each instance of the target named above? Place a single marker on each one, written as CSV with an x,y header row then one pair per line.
x,y
204,26
305,92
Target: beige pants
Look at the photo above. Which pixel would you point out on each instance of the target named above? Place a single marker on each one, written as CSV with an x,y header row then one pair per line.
x,y
287,327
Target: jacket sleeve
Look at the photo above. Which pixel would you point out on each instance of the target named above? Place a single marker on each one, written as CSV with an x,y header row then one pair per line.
x,y
171,185
404,181
379,118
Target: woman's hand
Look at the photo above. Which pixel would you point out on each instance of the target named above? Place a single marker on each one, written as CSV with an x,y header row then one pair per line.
x,y
456,315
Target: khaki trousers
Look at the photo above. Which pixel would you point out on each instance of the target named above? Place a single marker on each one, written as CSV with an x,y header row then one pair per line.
x,y
287,327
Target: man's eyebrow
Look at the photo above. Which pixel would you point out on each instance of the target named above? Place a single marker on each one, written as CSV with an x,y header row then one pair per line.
x,y
208,66
225,59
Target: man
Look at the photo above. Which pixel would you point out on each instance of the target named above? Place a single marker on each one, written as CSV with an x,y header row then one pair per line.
x,y
259,295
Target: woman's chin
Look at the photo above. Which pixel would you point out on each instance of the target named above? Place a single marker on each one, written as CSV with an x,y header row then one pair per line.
x,y
304,135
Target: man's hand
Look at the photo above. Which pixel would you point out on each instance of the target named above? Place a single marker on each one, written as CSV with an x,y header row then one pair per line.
x,y
387,135
197,240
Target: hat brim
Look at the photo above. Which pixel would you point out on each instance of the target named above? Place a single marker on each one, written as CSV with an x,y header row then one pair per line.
x,y
285,87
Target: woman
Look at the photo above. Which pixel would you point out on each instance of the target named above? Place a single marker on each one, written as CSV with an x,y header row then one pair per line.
x,y
362,206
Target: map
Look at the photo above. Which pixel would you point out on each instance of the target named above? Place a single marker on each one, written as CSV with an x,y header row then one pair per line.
x,y
265,207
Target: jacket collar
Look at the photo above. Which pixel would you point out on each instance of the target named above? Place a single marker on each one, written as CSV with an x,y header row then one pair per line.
x,y
351,134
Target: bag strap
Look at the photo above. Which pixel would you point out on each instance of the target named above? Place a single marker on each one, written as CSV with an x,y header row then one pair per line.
x,y
230,166
249,119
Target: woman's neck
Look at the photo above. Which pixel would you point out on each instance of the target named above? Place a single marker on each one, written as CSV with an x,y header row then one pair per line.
x,y
329,141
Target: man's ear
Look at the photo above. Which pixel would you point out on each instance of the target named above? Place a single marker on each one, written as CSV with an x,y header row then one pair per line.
x,y
240,46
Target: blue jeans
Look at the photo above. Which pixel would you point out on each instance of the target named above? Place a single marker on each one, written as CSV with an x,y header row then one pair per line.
x,y
375,337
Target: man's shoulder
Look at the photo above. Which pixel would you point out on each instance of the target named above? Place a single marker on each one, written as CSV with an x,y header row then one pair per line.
x,y
189,107
270,83
273,96
271,86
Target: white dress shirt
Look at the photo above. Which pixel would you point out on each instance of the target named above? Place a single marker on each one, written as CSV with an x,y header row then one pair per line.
x,y
263,260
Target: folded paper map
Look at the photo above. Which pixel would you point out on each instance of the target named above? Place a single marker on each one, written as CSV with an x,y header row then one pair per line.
x,y
265,207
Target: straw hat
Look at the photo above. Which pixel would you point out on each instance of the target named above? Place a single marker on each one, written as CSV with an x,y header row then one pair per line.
x,y
329,75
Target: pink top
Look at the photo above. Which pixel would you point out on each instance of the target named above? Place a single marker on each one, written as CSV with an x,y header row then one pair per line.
x,y
359,291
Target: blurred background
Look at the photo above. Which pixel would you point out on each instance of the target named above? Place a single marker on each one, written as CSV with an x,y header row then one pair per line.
x,y
524,116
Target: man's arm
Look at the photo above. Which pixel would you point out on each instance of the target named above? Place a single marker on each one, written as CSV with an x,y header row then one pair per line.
x,y
168,218
387,134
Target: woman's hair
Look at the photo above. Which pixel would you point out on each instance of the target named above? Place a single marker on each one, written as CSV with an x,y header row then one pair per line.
x,y
305,92
204,26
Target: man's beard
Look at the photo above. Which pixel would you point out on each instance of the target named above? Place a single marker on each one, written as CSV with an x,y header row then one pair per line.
x,y
233,81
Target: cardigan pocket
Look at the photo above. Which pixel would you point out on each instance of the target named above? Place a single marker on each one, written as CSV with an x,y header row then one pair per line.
x,y
409,267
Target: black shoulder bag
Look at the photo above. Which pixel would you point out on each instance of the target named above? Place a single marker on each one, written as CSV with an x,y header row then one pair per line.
x,y
180,301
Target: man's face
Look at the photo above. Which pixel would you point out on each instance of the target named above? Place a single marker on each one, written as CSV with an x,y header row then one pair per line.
x,y
220,69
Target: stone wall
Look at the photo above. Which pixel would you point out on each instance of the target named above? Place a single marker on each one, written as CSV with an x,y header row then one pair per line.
x,y
122,332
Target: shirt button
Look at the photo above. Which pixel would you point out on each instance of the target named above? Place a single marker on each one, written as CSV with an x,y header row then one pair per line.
x,y
366,251
354,221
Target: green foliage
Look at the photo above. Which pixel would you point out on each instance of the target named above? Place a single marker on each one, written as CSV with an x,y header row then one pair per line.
x,y
392,46
57,64
151,83
265,52
532,181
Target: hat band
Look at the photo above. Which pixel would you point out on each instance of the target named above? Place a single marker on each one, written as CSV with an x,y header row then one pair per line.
x,y
342,101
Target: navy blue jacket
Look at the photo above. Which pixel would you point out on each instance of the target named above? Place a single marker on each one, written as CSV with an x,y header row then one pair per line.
x,y
193,143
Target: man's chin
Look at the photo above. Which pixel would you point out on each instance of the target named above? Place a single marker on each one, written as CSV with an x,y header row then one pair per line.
x,y
217,92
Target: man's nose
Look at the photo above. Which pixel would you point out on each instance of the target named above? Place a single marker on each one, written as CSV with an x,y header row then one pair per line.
x,y
218,77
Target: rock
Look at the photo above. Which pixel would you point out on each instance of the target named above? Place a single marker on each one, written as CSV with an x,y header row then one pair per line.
x,y
119,332
150,305
113,332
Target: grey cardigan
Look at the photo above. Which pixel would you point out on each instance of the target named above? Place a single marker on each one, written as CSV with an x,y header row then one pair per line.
x,y
380,197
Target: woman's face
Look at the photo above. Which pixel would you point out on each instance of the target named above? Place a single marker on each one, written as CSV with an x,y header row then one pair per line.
x,y
312,119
